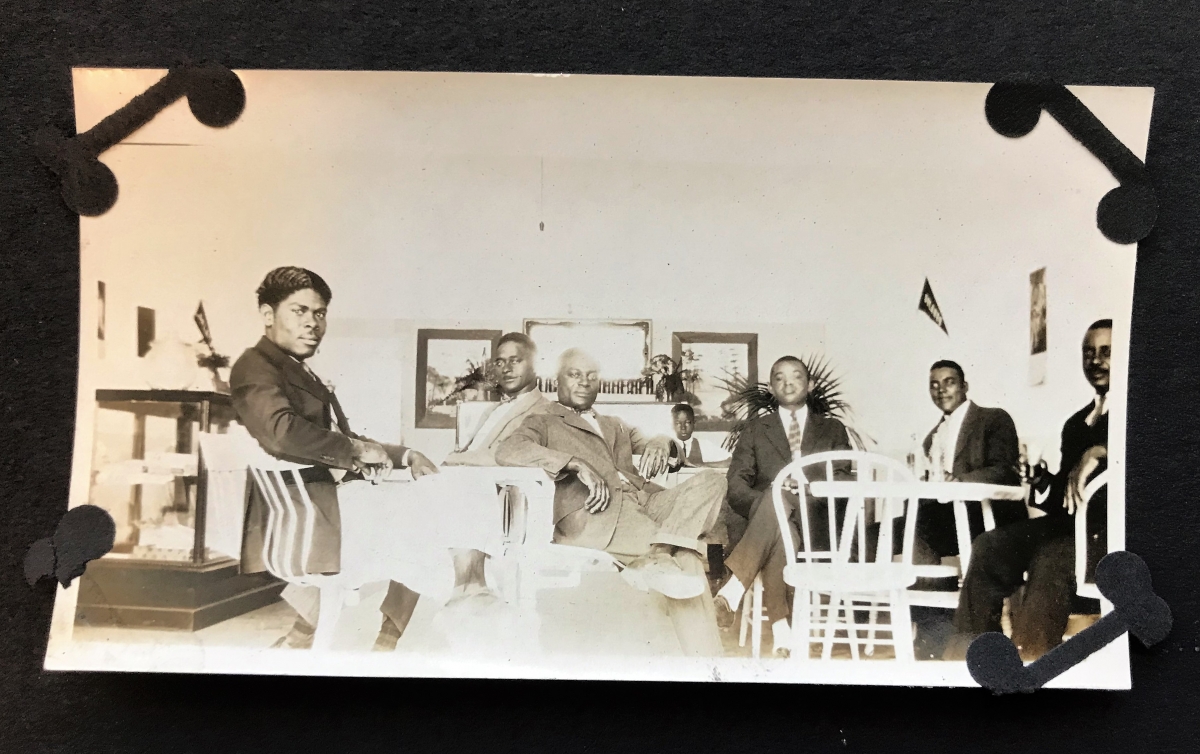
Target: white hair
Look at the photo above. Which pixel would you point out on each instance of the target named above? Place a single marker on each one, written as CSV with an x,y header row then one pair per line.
x,y
572,353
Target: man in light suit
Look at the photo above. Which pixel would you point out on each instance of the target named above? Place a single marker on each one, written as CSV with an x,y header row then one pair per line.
x,y
767,444
516,379
602,501
295,417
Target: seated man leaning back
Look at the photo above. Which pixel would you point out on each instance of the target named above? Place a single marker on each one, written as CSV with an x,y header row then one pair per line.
x,y
602,501
295,417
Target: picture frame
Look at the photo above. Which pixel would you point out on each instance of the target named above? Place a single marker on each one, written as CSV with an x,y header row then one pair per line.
x,y
438,350
738,351
621,346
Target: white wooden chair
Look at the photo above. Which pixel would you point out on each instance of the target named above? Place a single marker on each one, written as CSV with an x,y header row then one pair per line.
x,y
830,585
290,522
1083,587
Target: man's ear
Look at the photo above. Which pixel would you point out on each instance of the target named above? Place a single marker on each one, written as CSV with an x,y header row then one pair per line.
x,y
966,386
268,314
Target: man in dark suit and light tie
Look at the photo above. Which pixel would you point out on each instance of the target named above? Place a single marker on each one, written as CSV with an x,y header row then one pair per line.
x,y
969,444
767,444
295,417
602,501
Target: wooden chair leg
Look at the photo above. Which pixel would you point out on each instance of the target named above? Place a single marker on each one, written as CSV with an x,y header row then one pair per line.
x,y
756,618
902,633
801,633
327,617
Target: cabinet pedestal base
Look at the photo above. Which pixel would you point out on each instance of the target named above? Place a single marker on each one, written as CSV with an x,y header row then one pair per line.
x,y
174,596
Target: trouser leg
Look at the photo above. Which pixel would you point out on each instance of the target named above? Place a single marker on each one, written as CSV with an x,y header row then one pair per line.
x,y
695,619
305,600
1039,624
399,604
998,563
687,511
758,544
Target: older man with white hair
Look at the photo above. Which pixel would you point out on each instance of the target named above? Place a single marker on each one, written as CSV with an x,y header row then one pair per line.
x,y
604,502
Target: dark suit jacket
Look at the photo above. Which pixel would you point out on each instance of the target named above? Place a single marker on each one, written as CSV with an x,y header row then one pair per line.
x,y
1077,437
550,439
762,451
987,451
292,415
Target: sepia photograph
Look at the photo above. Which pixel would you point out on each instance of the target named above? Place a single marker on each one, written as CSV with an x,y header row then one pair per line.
x,y
468,375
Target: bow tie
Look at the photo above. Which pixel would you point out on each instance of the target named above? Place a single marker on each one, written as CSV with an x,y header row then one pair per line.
x,y
585,412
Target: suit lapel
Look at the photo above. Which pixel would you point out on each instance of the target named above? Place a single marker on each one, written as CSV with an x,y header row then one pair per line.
x,y
573,419
296,374
774,429
965,431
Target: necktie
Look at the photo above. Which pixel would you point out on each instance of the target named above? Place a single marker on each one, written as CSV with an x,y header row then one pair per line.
x,y
1097,412
938,451
694,458
794,434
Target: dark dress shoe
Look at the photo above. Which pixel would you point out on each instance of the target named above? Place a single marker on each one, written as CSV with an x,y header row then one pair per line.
x,y
725,614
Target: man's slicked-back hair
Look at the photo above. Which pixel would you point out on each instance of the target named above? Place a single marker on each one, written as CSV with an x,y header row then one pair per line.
x,y
792,360
521,339
1101,324
282,282
948,364
683,408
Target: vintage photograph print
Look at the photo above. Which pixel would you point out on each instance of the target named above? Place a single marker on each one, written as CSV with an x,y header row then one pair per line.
x,y
598,377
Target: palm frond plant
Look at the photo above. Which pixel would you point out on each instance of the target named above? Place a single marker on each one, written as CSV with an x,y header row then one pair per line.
x,y
750,400
478,377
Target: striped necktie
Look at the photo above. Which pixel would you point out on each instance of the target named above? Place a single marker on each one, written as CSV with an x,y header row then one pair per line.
x,y
794,434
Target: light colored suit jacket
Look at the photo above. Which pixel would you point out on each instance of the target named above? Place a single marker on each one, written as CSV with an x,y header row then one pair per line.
x,y
481,451
551,438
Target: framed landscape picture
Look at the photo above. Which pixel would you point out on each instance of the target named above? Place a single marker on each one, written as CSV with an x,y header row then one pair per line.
x,y
709,361
450,368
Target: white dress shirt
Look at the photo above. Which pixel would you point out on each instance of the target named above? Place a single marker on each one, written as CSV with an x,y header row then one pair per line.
x,y
945,440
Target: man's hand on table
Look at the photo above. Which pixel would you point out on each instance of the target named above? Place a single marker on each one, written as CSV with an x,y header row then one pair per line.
x,y
599,494
419,465
371,460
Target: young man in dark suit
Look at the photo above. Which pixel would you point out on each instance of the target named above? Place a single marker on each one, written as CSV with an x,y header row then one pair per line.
x,y
766,445
1044,548
969,444
295,417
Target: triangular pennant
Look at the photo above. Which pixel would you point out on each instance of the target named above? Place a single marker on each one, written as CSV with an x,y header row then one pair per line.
x,y
930,306
201,320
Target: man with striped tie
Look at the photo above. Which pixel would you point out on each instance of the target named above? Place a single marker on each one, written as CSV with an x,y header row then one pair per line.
x,y
766,445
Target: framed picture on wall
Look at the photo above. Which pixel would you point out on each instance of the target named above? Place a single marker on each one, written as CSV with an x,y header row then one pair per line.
x,y
621,346
451,365
710,361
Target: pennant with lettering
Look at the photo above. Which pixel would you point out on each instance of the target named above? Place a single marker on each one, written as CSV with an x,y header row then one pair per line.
x,y
201,320
930,306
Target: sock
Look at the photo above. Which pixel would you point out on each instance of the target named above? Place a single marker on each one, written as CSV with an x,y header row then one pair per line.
x,y
733,593
779,630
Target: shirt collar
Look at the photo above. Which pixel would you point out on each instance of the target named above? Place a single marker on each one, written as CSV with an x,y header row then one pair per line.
x,y
1096,399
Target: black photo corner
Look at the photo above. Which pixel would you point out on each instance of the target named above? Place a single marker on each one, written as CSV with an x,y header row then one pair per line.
x,y
49,176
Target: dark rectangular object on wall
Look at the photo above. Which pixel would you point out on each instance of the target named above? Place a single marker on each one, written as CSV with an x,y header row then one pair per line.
x,y
145,329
